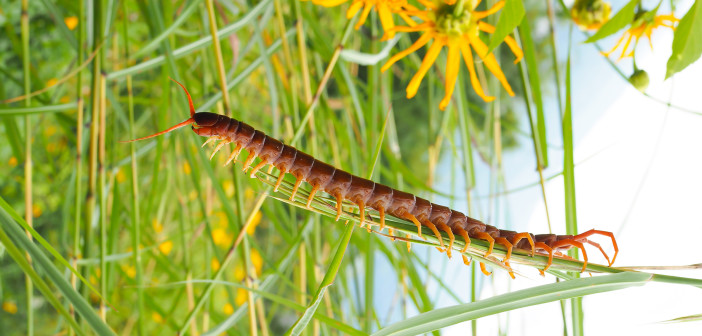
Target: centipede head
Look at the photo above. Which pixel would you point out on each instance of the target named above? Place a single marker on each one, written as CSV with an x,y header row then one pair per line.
x,y
201,121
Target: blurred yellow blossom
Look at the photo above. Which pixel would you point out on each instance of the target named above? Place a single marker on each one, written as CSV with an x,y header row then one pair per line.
x,y
158,227
129,270
228,309
241,296
166,247
215,264
221,237
186,168
51,82
192,195
71,22
13,161
251,229
248,193
644,24
156,317
9,307
121,176
36,210
228,188
239,272
256,261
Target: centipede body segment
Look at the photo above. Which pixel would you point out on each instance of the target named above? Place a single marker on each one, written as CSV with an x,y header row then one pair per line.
x,y
365,193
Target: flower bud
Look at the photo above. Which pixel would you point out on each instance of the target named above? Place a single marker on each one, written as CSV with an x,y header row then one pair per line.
x,y
590,14
639,79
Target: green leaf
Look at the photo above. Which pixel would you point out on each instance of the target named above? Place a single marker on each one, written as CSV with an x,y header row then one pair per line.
x,y
624,17
687,42
511,16
444,317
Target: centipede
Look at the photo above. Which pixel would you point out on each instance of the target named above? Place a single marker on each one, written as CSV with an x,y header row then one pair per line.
x,y
364,193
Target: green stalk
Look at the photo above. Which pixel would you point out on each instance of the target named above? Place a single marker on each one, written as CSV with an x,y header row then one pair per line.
x,y
218,56
29,216
78,199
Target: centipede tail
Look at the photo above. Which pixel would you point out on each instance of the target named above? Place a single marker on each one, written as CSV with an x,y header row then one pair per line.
x,y
364,193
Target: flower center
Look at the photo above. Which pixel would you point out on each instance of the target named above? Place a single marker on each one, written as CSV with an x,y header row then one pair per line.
x,y
454,21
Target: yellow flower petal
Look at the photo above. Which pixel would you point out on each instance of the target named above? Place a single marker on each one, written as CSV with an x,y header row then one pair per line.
x,y
468,58
427,62
452,66
414,47
166,247
386,18
355,7
364,15
71,22
228,309
241,296
214,263
9,307
490,62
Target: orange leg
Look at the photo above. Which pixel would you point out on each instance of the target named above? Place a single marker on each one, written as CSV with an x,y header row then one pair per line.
x,y
569,242
527,236
436,232
381,212
210,139
219,146
464,234
312,193
234,155
257,168
485,236
548,249
601,250
362,213
281,175
409,245
604,233
508,245
298,181
391,233
448,231
248,161
466,260
339,202
482,268
416,222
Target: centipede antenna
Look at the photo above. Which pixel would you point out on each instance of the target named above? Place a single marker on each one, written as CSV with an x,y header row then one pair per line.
x,y
190,100
184,123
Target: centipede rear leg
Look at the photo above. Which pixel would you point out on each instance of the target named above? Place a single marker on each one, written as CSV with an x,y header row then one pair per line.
x,y
543,246
583,237
235,154
569,243
448,231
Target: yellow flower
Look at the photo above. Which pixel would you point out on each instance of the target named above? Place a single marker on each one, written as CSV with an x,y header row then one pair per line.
x,y
642,25
51,82
156,317
214,263
457,27
158,227
186,168
228,188
228,309
590,14
166,247
13,161
256,261
121,176
251,229
71,22
36,210
9,307
385,8
221,237
129,270
241,296
239,273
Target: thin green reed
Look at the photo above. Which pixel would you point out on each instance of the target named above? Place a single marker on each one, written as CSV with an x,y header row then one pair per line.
x,y
28,213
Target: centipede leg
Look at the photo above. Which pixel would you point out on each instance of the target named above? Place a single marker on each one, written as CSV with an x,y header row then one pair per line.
x,y
409,245
249,160
416,222
527,236
391,233
589,233
339,201
362,213
312,193
234,154
503,241
219,146
210,139
448,231
568,242
298,181
485,271
548,249
489,239
436,232
257,168
464,234
281,176
466,261
600,248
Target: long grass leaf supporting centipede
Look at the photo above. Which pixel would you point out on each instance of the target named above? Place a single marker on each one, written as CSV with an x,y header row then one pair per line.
x,y
365,193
